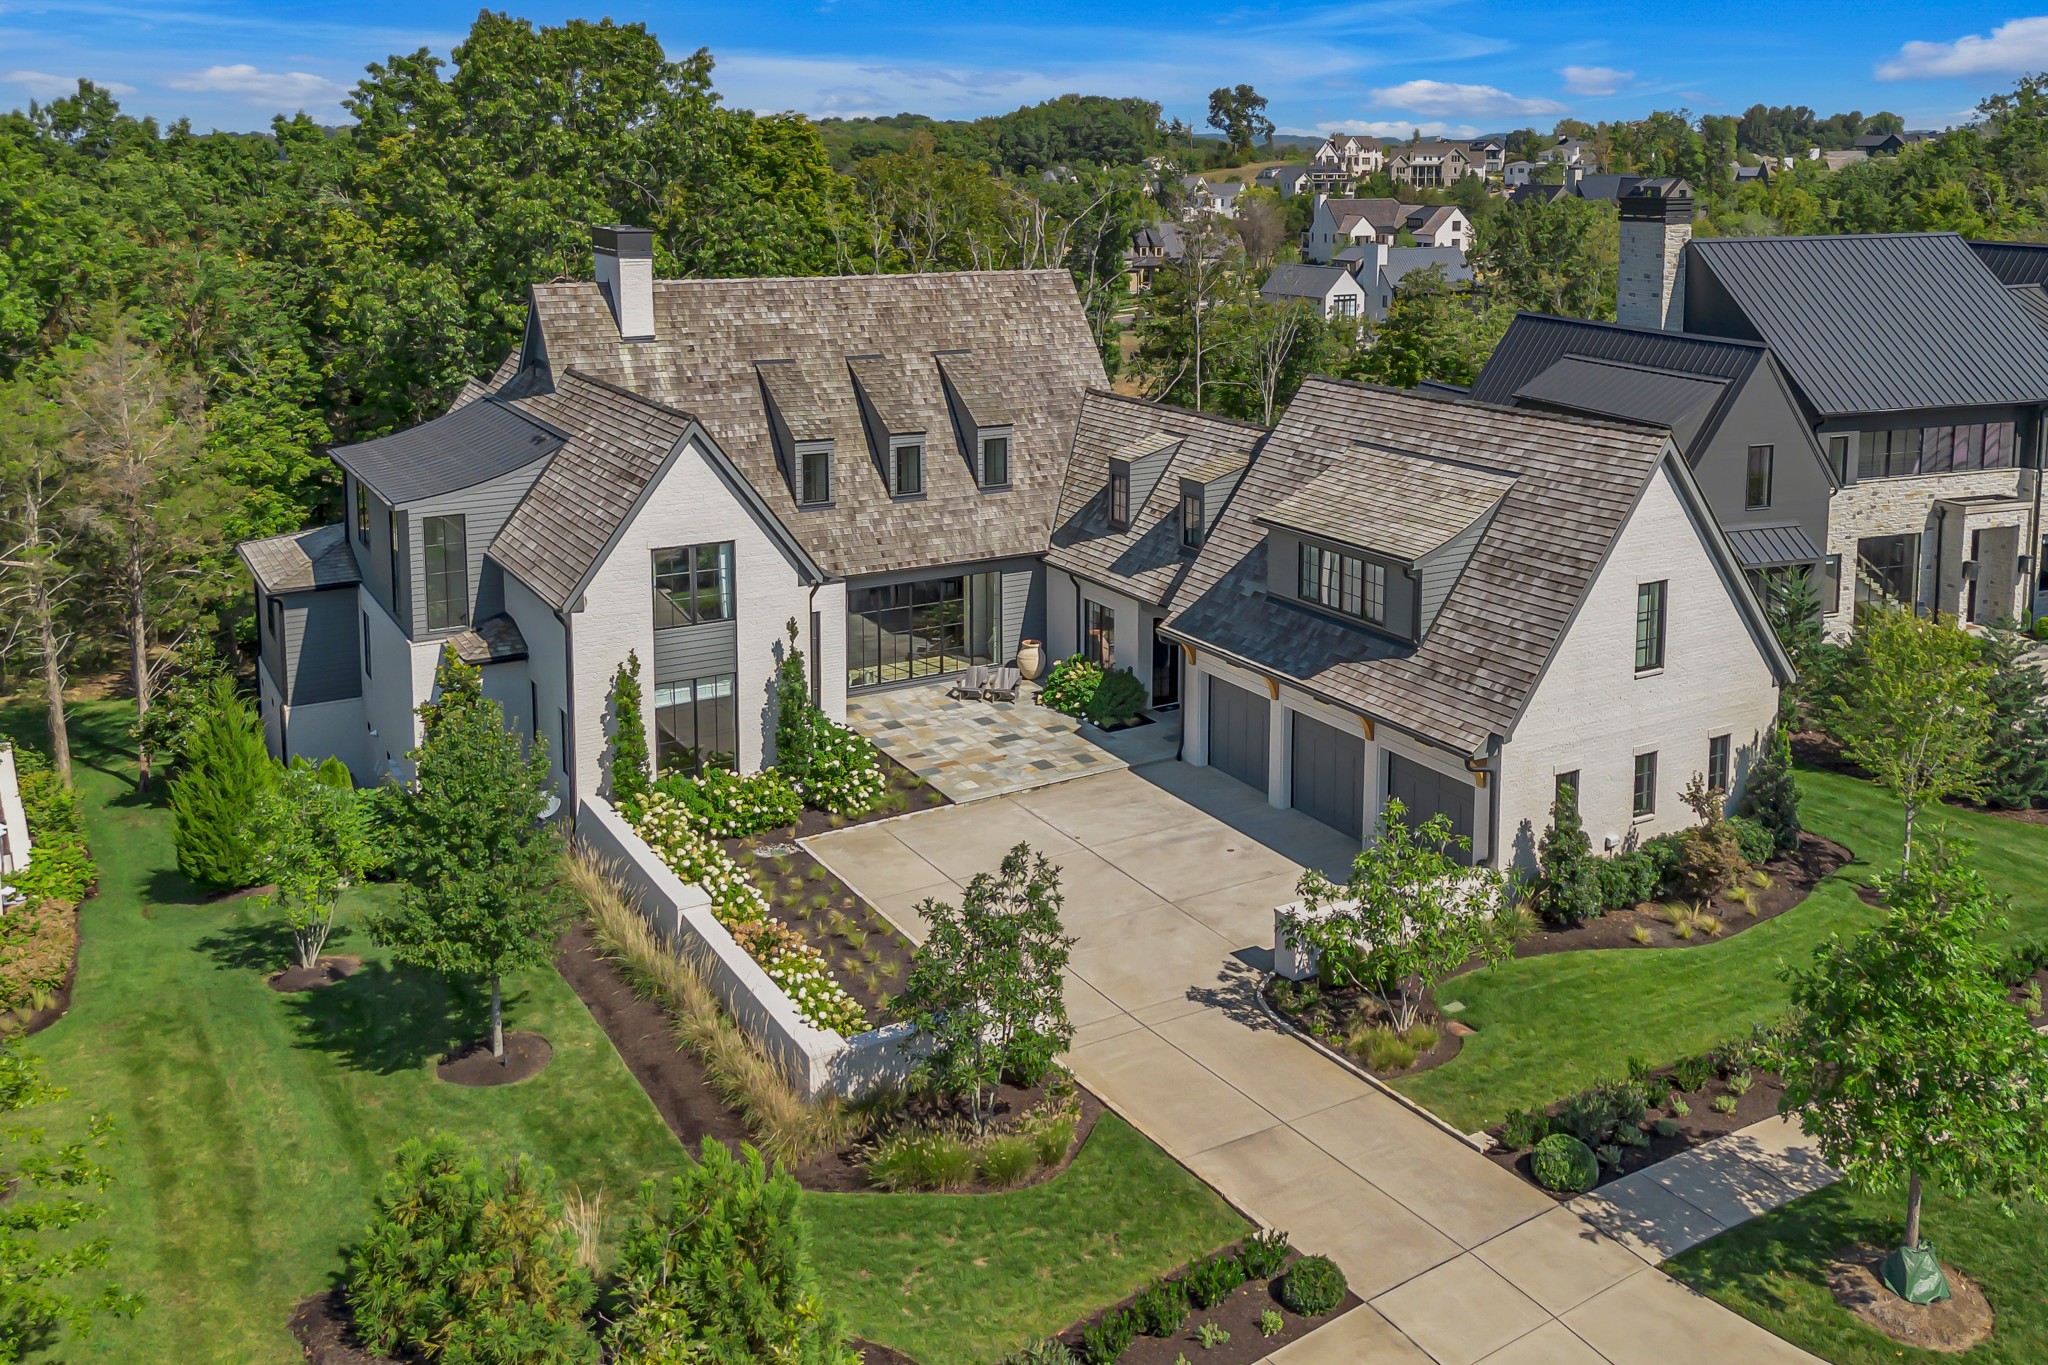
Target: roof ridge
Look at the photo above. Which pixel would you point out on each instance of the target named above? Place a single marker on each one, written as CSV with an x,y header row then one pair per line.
x,y
640,398
1701,338
1828,237
1641,368
1093,392
1537,415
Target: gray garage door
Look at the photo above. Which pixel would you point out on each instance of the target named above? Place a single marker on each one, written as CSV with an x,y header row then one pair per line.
x,y
1426,792
1329,775
1237,732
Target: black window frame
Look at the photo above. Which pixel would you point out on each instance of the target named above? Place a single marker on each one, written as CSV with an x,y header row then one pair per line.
x,y
1193,516
1569,778
362,493
1831,585
1653,616
1643,787
1838,456
1721,762
368,672
391,530
1334,581
713,698
680,605
810,493
445,589
1758,471
1886,572
1119,496
274,617
985,473
899,487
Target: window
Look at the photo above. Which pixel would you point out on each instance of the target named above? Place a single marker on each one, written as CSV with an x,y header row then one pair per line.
x,y
1758,488
362,511
1934,450
1838,457
1343,583
696,725
906,469
1831,586
1191,517
814,474
1650,626
995,461
692,585
1887,567
921,629
1645,800
1344,306
391,530
367,672
1119,497
1717,762
276,615
443,540
1570,779
562,734
1101,637
533,710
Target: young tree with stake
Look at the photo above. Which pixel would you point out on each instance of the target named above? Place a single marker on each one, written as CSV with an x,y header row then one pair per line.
x,y
313,843
482,893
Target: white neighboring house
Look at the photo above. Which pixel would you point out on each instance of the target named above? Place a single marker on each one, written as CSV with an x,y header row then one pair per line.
x,y
1287,181
1341,223
1570,150
1334,291
1344,158
15,841
1517,173
1380,270
678,468
1433,164
1212,198
1460,606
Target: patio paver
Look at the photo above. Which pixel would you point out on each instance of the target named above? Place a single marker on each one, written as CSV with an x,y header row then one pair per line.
x,y
974,750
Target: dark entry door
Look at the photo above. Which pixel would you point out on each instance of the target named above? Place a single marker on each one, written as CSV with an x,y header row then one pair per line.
x,y
1237,733
1165,673
1425,792
1329,775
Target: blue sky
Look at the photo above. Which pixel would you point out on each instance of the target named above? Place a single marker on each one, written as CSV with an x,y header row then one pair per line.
x,y
1379,66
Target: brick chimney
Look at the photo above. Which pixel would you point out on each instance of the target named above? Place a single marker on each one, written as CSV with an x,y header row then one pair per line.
x,y
625,271
1656,223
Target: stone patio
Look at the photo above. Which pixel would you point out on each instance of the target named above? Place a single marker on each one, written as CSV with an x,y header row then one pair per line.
x,y
974,750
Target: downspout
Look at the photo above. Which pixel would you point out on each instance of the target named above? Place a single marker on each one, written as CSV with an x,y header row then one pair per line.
x,y
2033,547
569,695
1940,540
817,649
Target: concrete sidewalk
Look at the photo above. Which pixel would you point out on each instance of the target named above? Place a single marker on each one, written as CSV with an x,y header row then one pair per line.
x,y
1170,875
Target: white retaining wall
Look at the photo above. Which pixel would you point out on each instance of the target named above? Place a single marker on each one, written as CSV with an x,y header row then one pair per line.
x,y
816,1060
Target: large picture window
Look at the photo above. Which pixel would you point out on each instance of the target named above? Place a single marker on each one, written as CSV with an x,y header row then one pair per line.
x,y
444,542
1343,583
692,585
1933,450
1650,625
932,626
696,724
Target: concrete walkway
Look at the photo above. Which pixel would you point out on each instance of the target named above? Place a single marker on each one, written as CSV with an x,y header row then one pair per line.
x,y
1170,875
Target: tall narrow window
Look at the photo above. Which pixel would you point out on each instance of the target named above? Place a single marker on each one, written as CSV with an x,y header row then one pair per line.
x,y
391,531
1757,492
1645,799
1568,781
1102,634
1191,516
906,469
533,710
814,474
362,510
443,540
276,615
693,585
1838,457
1718,749
367,671
995,461
1650,625
1119,497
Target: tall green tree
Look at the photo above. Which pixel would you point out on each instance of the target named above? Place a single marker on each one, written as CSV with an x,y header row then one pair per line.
x,y
1557,256
2016,753
214,797
1567,891
1906,1060
482,893
1239,113
39,489
631,769
312,841
1433,331
1771,796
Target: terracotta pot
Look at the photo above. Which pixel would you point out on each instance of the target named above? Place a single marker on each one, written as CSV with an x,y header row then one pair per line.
x,y
1030,659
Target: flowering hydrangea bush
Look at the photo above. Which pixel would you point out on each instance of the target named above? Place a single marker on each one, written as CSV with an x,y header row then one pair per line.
x,y
728,806
800,970
672,831
843,775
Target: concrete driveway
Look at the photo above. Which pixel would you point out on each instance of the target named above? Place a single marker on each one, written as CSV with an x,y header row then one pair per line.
x,y
1170,875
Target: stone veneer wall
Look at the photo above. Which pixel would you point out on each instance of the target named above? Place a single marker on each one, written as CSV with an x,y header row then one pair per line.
x,y
1905,506
1650,289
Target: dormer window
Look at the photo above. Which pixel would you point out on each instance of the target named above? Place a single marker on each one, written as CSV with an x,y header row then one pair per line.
x,y
813,473
1343,583
1119,496
906,469
994,463
1191,516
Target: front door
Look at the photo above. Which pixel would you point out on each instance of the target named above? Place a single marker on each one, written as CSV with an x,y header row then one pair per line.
x,y
1997,552
1165,672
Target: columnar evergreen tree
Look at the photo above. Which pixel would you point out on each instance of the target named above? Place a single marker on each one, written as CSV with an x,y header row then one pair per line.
x,y
482,893
1771,797
226,772
2016,758
796,719
1568,885
631,771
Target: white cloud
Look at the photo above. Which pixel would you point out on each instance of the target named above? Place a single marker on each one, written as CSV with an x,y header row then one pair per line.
x,y
1388,128
2016,45
261,87
44,86
1594,80
1472,101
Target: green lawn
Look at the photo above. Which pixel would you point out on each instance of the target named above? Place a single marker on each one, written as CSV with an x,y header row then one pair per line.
x,y
1773,1270
255,1127
1548,1026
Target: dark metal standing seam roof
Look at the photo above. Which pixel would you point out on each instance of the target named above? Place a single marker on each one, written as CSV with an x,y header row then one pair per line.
x,y
1633,393
2014,262
1882,323
473,444
1536,341
2034,297
1761,546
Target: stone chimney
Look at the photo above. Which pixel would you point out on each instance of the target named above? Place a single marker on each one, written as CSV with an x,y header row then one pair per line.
x,y
1573,174
625,271
1656,223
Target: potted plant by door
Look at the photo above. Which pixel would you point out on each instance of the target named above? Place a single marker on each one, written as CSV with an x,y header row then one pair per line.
x,y
1030,659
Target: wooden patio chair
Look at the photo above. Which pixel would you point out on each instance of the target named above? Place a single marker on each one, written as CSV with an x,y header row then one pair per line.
x,y
973,683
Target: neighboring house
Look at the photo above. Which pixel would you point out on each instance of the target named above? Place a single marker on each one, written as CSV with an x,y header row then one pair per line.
x,y
1215,198
1341,223
1461,605
1727,404
1334,290
1343,159
1835,161
1442,225
1287,181
1145,486
1517,173
1431,164
1577,184
1570,150
677,469
1388,266
1922,375
1491,152
1880,144
1160,243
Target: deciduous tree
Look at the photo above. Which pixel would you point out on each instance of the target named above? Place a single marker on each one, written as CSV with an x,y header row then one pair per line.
x,y
38,487
312,841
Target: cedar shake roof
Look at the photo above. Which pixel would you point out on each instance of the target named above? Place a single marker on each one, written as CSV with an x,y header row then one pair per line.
x,y
1146,561
1575,482
1391,501
302,561
494,640
1016,339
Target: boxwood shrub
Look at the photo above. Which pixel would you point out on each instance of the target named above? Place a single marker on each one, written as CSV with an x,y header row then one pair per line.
x,y
1313,1286
1564,1164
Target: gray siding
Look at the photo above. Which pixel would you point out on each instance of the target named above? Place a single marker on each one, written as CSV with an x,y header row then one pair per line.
x,y
485,509
696,651
1145,475
1023,590
1763,414
1283,580
320,647
1440,571
269,646
374,559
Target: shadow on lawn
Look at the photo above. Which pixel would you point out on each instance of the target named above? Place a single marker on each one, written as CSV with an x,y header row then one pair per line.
x,y
1795,1245
387,1019
262,946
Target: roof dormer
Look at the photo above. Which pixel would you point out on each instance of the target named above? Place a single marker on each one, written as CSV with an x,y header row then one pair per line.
x,y
983,415
802,427
1134,473
896,423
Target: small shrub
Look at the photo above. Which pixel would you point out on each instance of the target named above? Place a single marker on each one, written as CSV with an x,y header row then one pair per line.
x,y
1161,1310
1609,1154
921,1159
1761,879
1524,1128
1210,1282
1381,1048
1263,1255
1105,1341
1641,934
1594,1115
1678,1107
1117,699
1007,1159
1667,1128
1622,878
1756,843
1052,1133
1421,1037
1692,1073
1211,1334
1740,1083
1567,890
1631,1137
1071,685
1271,1324
1640,1069
1312,1286
1724,1104
1051,1351
1709,925
728,806
61,867
1564,1164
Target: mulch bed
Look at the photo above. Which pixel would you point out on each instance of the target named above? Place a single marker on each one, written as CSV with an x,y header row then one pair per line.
x,y
1700,1126
1793,877
526,1056
324,972
1237,1315
644,1035
1951,1326
842,1172
23,1022
1330,1020
327,1333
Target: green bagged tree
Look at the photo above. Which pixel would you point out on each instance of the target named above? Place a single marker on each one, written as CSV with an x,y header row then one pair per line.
x,y
1567,890
224,772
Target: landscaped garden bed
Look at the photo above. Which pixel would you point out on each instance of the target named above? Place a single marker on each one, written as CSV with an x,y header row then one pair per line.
x,y
1353,1022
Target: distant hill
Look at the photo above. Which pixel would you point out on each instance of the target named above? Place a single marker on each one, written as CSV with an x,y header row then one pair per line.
x,y
1072,128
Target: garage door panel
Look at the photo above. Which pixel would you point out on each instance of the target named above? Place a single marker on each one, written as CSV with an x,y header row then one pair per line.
x,y
1425,792
1238,736
1329,774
